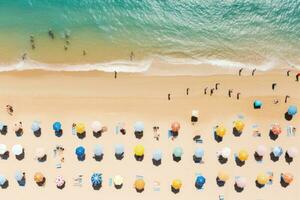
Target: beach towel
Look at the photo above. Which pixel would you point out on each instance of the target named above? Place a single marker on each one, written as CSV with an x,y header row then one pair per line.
x,y
291,131
156,186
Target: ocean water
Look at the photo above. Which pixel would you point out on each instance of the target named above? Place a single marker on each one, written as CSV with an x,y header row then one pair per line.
x,y
261,34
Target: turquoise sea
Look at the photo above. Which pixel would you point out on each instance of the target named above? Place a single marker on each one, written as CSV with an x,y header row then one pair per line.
x,y
221,32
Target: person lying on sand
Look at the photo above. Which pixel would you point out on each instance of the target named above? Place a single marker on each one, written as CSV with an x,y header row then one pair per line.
x,y
156,133
9,109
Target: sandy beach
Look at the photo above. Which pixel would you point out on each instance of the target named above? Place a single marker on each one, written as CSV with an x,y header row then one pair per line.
x,y
88,96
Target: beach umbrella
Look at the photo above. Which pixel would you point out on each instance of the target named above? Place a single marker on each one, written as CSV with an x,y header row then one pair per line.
x,y
56,126
200,181
176,184
80,151
2,180
59,181
138,126
175,126
277,151
139,150
223,175
261,150
178,151
38,177
226,151
262,179
40,152
35,126
80,128
3,149
239,125
292,110
243,155
96,179
139,184
118,180
292,152
287,177
199,153
257,104
119,149
195,113
98,151
17,149
96,126
221,131
19,175
241,182
276,129
157,155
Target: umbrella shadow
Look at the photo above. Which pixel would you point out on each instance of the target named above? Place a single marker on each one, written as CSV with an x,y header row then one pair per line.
x,y
196,159
239,162
175,191
5,156
4,130
138,134
22,182
98,158
217,138
273,157
37,133
5,185
118,187
97,134
59,133
42,183
288,159
288,117
119,156
283,183
198,186
21,156
81,135
62,186
43,159
259,185
97,187
81,158
272,135
220,183
139,190
237,188
19,132
222,160
176,159
257,157
139,158
156,162
236,133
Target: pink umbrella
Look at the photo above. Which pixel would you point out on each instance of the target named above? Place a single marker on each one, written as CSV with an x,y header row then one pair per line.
x,y
276,129
261,150
59,181
241,182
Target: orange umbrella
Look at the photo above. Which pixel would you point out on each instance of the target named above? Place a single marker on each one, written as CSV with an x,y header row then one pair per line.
x,y
139,184
38,177
276,129
175,126
287,177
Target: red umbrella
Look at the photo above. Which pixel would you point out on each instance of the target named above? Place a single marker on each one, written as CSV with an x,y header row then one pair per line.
x,y
276,129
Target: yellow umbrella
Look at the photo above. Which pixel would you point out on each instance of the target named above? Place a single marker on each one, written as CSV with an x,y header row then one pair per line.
x,y
38,177
243,155
223,176
118,180
221,131
239,125
139,184
80,128
262,179
176,184
139,150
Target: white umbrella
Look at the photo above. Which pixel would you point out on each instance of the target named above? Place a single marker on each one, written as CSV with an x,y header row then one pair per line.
x,y
261,150
3,149
226,152
96,126
17,149
195,113
241,182
40,152
118,180
19,175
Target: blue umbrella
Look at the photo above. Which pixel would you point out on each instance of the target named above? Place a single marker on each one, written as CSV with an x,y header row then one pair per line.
x,y
178,152
139,126
199,152
277,151
292,110
57,126
96,179
98,151
80,151
200,180
2,180
119,149
157,155
18,175
257,104
35,126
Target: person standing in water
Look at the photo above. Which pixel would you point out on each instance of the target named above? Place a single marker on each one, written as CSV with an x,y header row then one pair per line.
x,y
51,34
216,86
240,71
131,56
116,74
273,86
253,72
212,91
187,91
288,72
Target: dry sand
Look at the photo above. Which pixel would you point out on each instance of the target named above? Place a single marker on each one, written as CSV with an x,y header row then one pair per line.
x,y
85,97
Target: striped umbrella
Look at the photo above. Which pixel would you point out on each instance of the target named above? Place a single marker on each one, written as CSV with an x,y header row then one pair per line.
x,y
60,181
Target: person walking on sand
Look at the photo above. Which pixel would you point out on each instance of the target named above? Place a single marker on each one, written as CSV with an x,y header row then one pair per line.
x,y
9,109
288,72
217,86
169,96
205,90
240,71
286,98
229,93
116,74
187,91
212,91
238,95
297,77
253,72
273,86
131,56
